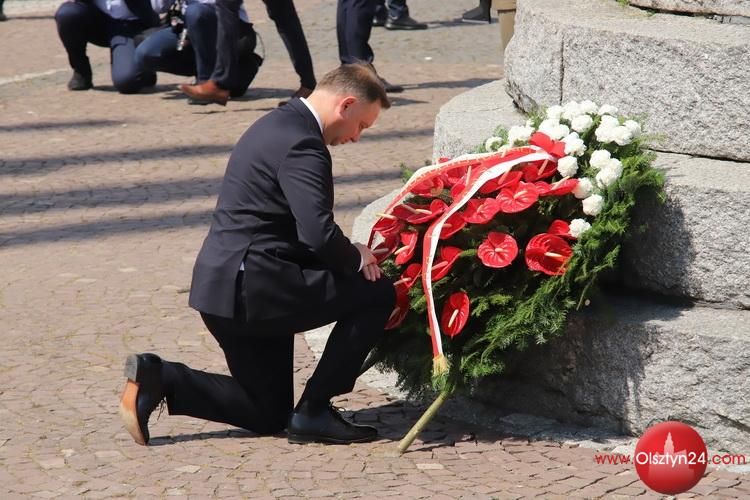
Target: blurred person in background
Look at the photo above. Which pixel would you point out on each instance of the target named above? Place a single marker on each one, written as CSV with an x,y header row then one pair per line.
x,y
187,46
106,23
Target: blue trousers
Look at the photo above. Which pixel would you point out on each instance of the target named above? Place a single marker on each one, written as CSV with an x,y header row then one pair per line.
x,y
395,9
158,52
79,24
353,27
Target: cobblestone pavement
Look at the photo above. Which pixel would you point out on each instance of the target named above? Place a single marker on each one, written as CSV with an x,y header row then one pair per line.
x,y
104,201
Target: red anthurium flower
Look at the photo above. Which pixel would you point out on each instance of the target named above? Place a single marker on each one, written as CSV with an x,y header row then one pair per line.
x,y
560,228
548,253
455,314
536,170
443,265
422,213
542,187
406,252
456,175
508,180
519,198
457,189
403,211
481,210
545,142
409,277
452,225
429,187
561,187
401,310
498,250
388,225
386,248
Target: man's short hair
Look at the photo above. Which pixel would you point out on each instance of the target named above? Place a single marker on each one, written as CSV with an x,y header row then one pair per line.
x,y
359,80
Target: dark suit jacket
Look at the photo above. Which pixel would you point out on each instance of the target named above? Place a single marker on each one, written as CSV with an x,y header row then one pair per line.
x,y
275,212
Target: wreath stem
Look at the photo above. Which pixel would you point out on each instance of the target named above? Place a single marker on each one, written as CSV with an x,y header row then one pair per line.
x,y
404,444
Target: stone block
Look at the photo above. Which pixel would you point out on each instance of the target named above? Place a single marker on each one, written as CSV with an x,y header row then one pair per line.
x,y
720,7
686,75
632,363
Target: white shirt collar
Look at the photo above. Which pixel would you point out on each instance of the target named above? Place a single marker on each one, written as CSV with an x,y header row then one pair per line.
x,y
314,113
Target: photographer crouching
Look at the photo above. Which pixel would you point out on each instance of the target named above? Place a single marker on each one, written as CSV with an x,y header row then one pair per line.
x,y
187,45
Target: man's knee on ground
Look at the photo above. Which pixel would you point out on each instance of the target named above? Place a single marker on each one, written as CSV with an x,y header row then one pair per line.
x,y
127,82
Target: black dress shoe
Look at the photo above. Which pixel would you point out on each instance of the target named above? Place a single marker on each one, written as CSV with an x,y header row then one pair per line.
x,y
80,82
479,14
404,23
379,20
390,87
326,426
144,391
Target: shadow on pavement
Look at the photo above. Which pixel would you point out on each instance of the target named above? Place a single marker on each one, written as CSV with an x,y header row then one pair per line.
x,y
37,126
35,165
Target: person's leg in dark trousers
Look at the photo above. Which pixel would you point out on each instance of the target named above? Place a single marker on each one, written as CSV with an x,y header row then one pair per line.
x,y
248,61
3,17
228,33
201,23
283,13
259,396
158,52
127,77
353,27
397,9
77,25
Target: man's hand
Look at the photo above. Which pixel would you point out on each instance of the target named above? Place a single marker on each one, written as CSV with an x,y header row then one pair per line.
x,y
370,268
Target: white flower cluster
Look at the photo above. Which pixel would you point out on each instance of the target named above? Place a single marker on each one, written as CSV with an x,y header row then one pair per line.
x,y
567,123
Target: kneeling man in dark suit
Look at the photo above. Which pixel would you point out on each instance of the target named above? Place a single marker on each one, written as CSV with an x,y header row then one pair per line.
x,y
275,263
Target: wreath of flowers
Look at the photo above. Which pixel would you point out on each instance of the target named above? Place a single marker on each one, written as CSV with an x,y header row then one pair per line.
x,y
513,238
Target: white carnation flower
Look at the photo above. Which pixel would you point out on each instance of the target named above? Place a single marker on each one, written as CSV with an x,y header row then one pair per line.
x,y
606,176
634,127
581,123
605,134
622,135
578,227
615,165
607,109
584,188
554,112
609,121
519,134
571,110
567,166
593,205
529,123
554,129
574,145
589,107
599,159
493,143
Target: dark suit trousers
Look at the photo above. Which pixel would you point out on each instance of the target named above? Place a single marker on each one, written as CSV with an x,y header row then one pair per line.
x,y
229,27
79,23
283,13
353,27
259,394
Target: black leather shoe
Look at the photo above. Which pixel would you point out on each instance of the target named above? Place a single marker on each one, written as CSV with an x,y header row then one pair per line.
x,y
480,14
390,87
80,82
404,23
144,390
379,20
326,426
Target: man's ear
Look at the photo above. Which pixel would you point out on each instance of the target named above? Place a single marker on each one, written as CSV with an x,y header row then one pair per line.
x,y
347,102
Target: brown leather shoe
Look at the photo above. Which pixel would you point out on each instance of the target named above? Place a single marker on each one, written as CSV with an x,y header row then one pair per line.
x,y
301,92
206,91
